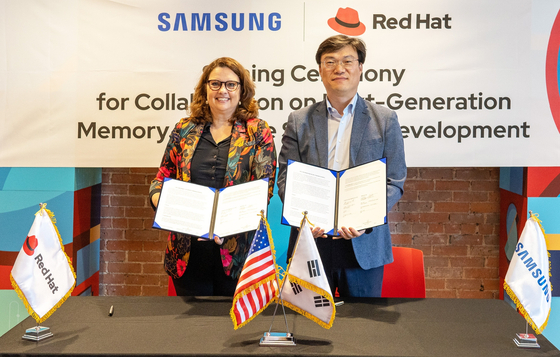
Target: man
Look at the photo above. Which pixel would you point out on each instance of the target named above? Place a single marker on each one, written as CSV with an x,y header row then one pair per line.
x,y
341,132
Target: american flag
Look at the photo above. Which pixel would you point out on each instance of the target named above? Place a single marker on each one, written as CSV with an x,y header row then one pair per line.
x,y
257,285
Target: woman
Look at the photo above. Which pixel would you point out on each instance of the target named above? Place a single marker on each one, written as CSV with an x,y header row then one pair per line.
x,y
221,144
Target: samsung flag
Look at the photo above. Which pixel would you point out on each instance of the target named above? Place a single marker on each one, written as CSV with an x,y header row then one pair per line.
x,y
527,280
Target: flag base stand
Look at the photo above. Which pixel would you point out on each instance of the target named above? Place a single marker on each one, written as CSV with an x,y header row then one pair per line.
x,y
277,339
37,333
526,340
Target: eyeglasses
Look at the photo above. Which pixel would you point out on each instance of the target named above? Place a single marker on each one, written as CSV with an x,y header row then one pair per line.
x,y
346,63
215,85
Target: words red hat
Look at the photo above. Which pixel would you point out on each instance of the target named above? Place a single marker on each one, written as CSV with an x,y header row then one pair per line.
x,y
347,22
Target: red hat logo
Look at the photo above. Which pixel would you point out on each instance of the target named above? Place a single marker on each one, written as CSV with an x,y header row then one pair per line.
x,y
347,22
553,71
29,245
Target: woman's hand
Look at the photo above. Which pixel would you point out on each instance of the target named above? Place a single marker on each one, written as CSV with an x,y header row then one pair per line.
x,y
218,240
349,233
318,232
155,199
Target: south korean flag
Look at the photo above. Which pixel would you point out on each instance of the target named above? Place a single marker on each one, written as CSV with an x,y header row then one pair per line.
x,y
306,289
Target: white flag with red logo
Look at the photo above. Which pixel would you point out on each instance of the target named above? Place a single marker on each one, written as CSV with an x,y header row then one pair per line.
x,y
42,275
305,288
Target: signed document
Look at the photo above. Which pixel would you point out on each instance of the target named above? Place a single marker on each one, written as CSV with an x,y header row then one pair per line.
x,y
203,211
355,197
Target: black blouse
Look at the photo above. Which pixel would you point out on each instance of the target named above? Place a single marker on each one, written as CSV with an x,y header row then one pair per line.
x,y
209,161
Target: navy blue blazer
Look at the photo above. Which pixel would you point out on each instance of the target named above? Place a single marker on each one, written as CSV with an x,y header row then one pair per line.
x,y
376,133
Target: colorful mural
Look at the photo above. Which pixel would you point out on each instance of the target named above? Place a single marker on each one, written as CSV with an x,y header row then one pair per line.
x,y
535,189
74,196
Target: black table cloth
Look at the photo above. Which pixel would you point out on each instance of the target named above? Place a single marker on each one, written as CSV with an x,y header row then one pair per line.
x,y
165,326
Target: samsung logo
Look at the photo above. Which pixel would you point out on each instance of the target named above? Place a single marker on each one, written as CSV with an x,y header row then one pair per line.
x,y
219,22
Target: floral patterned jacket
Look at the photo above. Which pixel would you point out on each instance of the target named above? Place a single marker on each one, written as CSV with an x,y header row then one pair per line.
x,y
252,156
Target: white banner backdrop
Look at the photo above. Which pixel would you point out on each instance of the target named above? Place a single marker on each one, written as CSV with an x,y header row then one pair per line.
x,y
101,83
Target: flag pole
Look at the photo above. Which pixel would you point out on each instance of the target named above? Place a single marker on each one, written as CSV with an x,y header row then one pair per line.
x,y
38,306
284,280
525,340
279,339
527,322
280,293
38,332
290,261
288,334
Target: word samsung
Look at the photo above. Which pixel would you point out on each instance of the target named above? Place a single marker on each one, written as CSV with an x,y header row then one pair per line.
x,y
409,22
44,270
219,22
537,274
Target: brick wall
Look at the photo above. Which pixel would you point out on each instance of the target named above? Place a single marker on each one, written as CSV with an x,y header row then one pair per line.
x,y
131,261
451,214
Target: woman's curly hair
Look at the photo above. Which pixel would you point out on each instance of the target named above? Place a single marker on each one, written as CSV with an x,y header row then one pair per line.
x,y
199,108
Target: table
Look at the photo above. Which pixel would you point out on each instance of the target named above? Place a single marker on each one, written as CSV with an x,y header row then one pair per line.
x,y
158,326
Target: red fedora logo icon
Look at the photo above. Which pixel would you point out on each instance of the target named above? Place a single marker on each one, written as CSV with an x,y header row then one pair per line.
x,y
29,245
347,22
